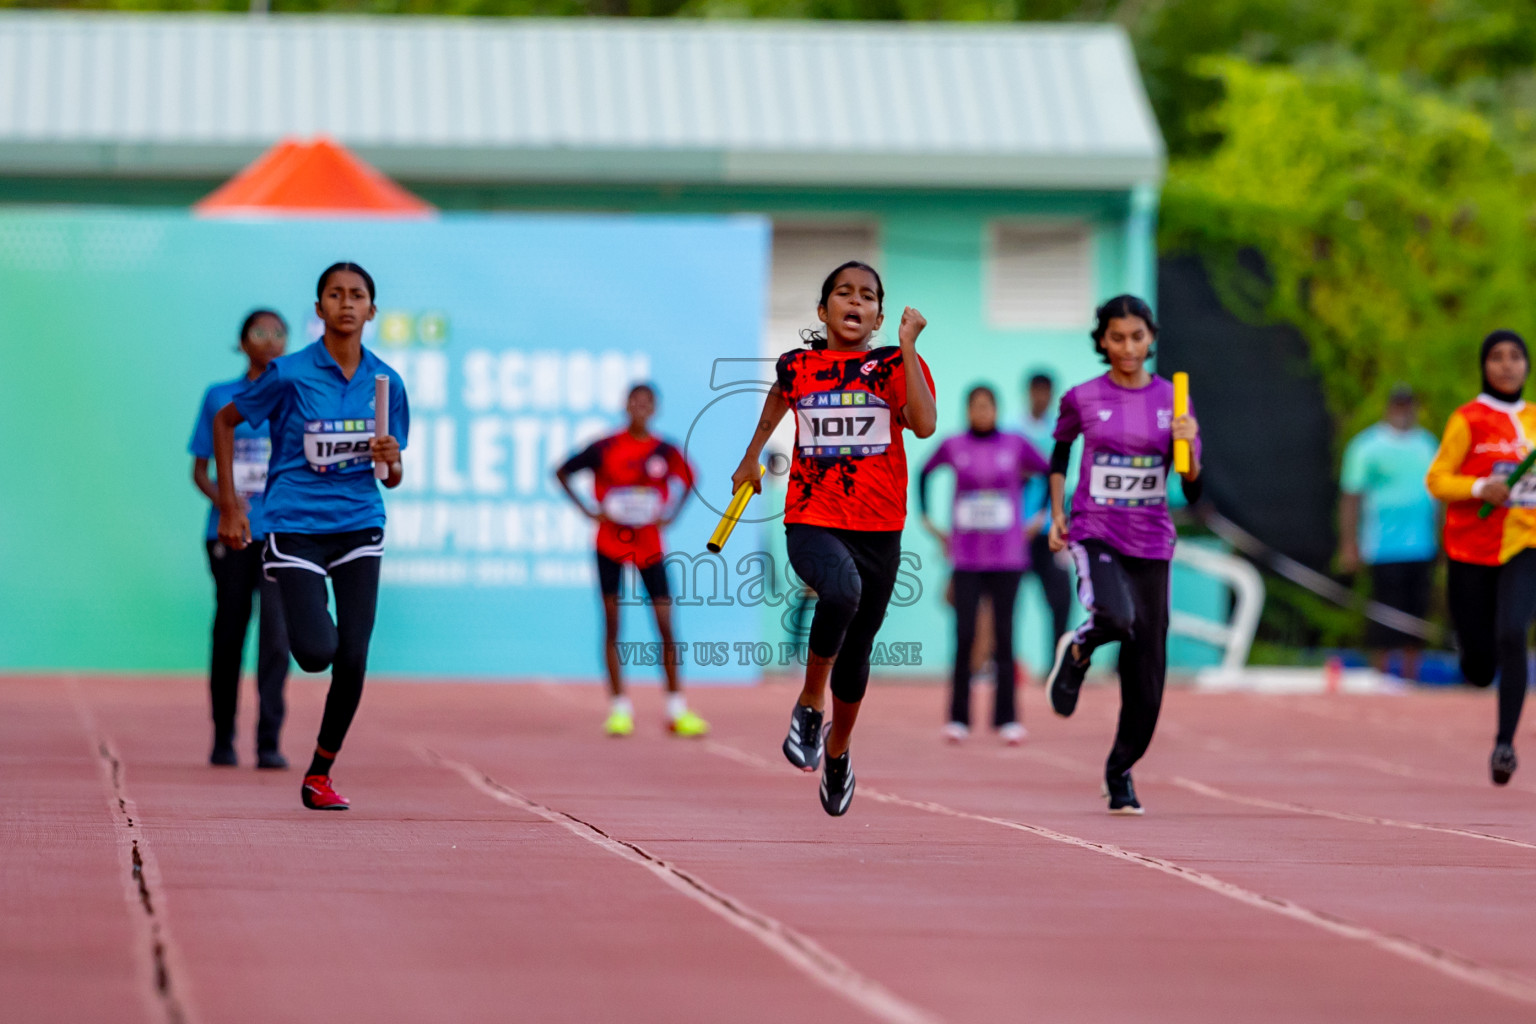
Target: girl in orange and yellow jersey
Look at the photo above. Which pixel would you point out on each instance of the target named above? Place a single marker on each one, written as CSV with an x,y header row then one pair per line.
x,y
1491,583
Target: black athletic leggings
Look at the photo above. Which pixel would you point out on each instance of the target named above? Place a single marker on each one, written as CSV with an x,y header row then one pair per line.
x,y
237,576
1002,588
853,573
1492,607
1056,582
300,562
1127,599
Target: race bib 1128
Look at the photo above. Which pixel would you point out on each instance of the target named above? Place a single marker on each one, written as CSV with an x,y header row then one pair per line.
x,y
1127,481
334,445
843,424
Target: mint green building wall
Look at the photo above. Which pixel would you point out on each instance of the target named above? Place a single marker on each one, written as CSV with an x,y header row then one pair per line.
x,y
932,247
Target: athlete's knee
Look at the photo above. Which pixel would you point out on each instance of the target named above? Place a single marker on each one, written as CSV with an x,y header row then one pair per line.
x,y
849,685
314,654
1119,625
1478,673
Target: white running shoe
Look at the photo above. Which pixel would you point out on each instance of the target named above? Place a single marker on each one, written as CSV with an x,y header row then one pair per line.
x,y
956,732
1013,733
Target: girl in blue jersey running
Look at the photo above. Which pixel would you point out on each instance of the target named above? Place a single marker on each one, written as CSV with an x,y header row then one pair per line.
x,y
323,512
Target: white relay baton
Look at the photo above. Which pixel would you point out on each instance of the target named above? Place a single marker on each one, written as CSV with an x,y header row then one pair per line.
x,y
381,420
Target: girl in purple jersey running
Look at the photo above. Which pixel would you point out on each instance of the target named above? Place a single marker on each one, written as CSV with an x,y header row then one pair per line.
x,y
987,548
1120,534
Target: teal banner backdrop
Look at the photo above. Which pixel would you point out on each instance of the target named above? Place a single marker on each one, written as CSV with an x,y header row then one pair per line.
x,y
518,337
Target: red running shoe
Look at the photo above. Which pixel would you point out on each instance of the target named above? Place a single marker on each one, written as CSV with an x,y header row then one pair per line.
x,y
319,796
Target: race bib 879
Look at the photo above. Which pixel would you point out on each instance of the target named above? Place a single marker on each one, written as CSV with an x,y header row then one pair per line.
x,y
334,445
1127,481
840,424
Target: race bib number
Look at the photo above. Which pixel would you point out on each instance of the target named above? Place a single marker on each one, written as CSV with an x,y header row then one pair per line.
x,y
984,512
1522,494
251,457
1127,481
842,424
633,506
331,446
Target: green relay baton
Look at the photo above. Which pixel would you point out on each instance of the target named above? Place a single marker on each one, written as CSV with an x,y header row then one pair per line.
x,y
1523,468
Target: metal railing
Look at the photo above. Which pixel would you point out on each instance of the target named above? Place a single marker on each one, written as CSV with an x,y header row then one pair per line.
x,y
1235,636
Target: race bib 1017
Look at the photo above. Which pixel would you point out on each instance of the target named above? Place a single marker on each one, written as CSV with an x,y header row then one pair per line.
x,y
1127,481
843,424
334,445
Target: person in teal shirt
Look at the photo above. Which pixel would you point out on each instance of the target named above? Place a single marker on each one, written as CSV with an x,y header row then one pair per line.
x,y
1387,521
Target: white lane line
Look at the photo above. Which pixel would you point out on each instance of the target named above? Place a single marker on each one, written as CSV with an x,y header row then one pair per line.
x,y
165,978
1363,819
1454,965
798,950
1214,793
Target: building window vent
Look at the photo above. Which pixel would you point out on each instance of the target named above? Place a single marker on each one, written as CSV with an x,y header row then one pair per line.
x,y
803,255
1040,275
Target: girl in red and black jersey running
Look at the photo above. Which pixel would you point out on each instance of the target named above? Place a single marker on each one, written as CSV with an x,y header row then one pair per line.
x,y
631,474
847,500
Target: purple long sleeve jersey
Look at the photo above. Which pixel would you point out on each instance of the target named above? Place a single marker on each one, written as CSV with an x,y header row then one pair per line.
x,y
986,527
1122,484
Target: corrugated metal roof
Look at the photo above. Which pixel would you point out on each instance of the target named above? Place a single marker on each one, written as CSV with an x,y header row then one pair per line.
x,y
510,99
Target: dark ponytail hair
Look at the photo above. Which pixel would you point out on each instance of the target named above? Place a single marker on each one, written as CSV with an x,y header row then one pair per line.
x,y
1117,308
257,314
818,339
336,268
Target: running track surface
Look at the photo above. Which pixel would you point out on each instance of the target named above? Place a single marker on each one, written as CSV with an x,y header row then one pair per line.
x,y
1302,859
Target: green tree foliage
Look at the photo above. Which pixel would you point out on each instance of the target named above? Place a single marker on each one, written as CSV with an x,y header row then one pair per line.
x,y
1394,224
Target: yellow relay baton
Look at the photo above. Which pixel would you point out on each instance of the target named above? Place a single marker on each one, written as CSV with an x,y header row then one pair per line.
x,y
1180,408
732,515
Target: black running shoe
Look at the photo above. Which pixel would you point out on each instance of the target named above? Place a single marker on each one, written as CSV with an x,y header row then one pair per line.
x,y
804,743
837,785
1066,678
1122,795
223,755
1502,764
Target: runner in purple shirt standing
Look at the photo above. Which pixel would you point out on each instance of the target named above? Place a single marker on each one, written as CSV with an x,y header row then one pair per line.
x,y
1120,535
986,546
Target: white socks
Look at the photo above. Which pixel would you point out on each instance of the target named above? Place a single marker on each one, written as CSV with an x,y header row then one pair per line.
x,y
677,706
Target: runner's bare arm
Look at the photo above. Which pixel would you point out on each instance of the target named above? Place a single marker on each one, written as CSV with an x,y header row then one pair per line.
x,y
774,408
234,526
202,481
920,412
1058,535
563,476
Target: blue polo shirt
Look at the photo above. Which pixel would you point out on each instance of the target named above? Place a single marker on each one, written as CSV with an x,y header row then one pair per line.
x,y
1386,468
1041,433
321,476
253,447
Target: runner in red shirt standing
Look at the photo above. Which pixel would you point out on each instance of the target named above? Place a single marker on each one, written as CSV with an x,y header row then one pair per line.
x,y
631,475
847,500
